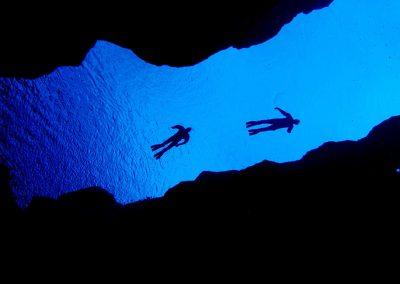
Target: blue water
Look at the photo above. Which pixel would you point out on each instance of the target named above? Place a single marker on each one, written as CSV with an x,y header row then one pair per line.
x,y
336,69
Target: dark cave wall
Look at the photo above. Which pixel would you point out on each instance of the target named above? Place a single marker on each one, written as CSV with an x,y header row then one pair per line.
x,y
170,33
356,176
341,197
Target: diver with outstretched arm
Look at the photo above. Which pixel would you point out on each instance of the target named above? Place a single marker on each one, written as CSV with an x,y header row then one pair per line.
x,y
284,113
173,141
277,123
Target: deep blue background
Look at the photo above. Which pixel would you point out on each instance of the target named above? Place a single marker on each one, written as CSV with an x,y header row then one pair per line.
x,y
336,69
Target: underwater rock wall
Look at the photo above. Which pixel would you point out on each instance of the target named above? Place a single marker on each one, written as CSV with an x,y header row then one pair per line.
x,y
172,33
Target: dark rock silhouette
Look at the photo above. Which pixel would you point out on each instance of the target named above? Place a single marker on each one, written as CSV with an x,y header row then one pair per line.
x,y
171,33
8,206
350,184
336,206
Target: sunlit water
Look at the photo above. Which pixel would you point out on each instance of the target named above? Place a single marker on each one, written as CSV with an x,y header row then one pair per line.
x,y
336,69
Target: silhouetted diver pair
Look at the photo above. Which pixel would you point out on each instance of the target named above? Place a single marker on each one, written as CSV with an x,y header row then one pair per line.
x,y
183,133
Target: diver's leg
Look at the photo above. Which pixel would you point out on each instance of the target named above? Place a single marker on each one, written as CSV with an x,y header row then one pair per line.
x,y
158,146
254,123
163,151
256,131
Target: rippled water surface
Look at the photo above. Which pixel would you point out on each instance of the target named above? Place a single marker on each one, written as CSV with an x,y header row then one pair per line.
x,y
337,69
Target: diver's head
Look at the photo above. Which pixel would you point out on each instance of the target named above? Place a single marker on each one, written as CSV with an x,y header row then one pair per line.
x,y
188,129
296,121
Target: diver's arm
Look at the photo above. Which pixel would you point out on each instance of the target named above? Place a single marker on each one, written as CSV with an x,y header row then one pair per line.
x,y
178,127
185,140
284,113
290,128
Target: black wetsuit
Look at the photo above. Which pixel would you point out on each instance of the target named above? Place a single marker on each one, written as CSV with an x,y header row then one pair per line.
x,y
173,141
275,124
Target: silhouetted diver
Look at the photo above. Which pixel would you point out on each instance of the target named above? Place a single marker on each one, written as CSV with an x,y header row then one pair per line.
x,y
173,141
277,123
